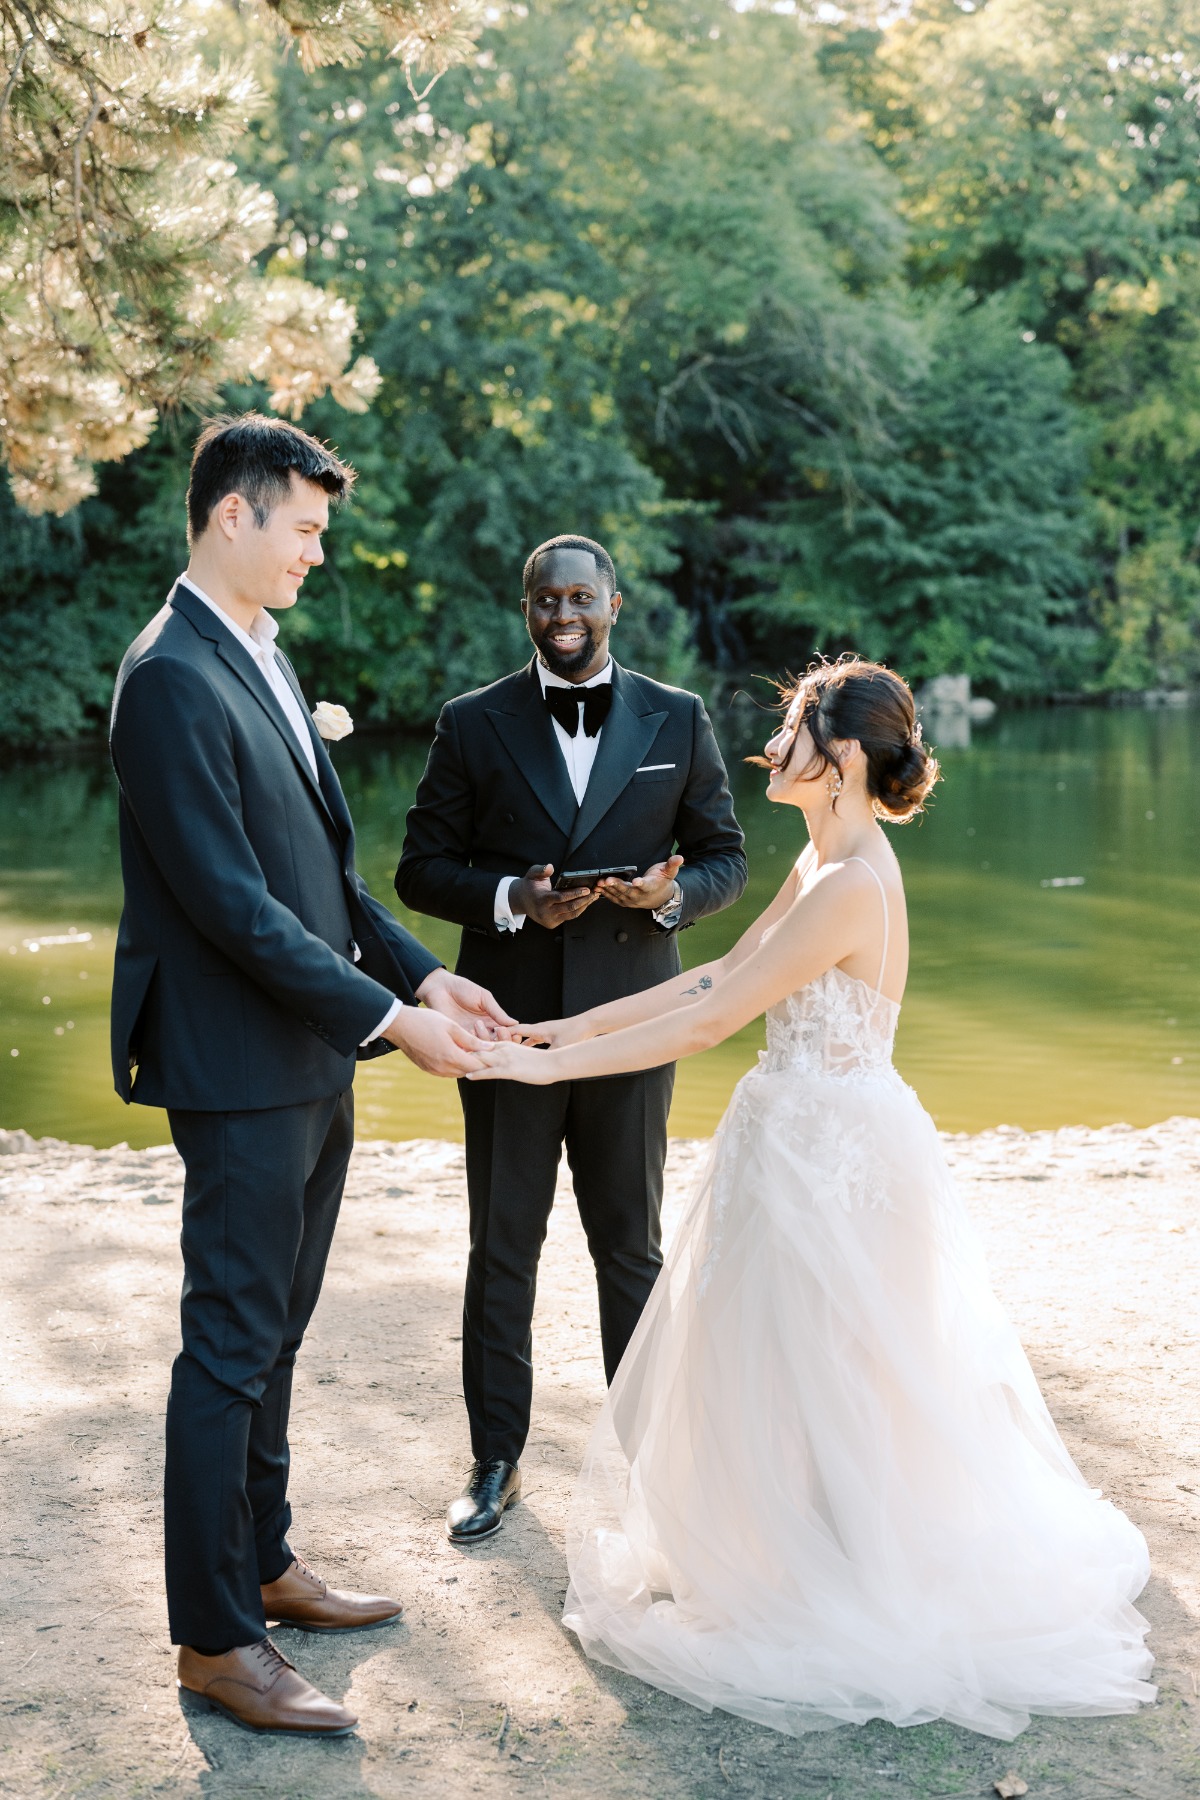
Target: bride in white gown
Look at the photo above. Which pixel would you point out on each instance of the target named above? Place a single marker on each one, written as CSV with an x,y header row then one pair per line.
x,y
824,1486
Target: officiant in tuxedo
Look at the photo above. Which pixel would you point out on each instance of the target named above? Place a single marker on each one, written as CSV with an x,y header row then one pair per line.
x,y
569,767
253,968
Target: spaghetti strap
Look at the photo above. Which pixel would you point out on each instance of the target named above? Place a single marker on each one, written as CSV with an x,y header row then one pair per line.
x,y
886,920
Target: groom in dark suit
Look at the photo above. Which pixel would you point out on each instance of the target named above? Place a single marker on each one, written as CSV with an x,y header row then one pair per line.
x,y
572,766
253,968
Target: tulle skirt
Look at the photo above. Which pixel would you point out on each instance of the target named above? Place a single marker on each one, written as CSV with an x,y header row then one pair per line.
x,y
824,1486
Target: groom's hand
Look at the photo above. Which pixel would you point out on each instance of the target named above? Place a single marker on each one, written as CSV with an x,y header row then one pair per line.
x,y
534,896
649,891
434,1043
466,1004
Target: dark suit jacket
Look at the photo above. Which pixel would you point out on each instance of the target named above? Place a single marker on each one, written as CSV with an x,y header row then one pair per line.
x,y
495,798
235,986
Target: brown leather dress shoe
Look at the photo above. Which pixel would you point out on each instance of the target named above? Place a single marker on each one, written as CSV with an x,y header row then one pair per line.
x,y
302,1599
257,1687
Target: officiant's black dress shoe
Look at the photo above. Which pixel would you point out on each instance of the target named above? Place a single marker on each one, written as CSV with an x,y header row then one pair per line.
x,y
480,1508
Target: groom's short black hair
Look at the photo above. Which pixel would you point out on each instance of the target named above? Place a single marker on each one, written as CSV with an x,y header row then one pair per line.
x,y
604,561
254,456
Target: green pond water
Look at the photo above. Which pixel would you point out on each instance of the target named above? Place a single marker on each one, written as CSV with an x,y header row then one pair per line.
x,y
1027,1004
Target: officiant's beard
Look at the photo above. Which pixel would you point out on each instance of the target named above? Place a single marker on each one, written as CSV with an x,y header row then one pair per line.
x,y
567,666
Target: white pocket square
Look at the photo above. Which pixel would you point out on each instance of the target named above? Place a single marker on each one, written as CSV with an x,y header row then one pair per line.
x,y
649,768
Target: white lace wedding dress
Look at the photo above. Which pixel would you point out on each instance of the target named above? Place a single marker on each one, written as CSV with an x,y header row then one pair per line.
x,y
824,1486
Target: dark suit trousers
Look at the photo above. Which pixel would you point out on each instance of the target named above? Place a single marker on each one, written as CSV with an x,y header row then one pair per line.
x,y
260,1202
615,1134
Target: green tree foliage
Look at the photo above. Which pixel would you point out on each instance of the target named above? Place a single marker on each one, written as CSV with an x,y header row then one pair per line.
x,y
607,273
1048,151
652,278
77,588
961,547
840,334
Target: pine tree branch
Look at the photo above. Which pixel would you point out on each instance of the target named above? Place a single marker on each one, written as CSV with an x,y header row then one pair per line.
x,y
128,245
14,72
77,167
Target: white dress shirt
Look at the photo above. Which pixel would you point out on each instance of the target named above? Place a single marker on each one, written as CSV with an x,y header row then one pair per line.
x,y
259,642
579,754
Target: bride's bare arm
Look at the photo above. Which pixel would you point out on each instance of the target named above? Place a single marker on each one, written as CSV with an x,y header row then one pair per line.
x,y
680,990
751,938
817,930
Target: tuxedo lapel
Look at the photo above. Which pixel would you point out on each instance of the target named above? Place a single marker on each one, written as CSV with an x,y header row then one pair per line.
x,y
525,730
627,735
328,780
253,680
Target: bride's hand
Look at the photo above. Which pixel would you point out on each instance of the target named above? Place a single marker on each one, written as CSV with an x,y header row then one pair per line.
x,y
513,1062
553,1033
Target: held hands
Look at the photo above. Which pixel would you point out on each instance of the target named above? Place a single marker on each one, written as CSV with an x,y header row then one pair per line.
x,y
434,1043
518,1060
465,1003
456,1020
648,891
555,1034
513,1062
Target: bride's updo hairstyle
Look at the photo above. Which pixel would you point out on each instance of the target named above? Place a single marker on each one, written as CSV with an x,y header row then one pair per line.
x,y
855,699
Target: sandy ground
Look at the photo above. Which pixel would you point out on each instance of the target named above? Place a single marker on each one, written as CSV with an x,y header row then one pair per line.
x,y
1094,1240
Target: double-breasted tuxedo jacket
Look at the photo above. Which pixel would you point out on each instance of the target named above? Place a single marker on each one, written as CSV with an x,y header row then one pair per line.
x,y
237,998
495,799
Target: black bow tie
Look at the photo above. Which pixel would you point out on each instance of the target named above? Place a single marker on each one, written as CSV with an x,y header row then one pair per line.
x,y
564,704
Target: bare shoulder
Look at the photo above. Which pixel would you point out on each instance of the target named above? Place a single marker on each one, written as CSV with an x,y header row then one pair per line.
x,y
852,878
840,899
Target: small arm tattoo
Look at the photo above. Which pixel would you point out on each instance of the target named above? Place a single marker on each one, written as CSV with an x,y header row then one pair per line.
x,y
704,982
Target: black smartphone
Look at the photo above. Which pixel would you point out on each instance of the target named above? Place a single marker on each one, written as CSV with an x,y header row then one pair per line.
x,y
586,878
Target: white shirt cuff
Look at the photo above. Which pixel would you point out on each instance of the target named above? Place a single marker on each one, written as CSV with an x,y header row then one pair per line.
x,y
503,915
383,1024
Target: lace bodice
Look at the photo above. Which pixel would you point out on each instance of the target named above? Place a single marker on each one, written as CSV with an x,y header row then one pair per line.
x,y
836,1025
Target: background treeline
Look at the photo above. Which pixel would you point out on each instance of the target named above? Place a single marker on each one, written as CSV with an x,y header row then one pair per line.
x,y
838,336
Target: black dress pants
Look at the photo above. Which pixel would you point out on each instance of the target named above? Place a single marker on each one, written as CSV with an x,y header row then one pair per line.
x,y
615,1133
260,1202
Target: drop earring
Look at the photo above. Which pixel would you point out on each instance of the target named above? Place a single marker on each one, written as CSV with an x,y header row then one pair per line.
x,y
834,785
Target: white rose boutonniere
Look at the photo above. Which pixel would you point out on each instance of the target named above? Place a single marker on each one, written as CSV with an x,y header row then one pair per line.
x,y
332,722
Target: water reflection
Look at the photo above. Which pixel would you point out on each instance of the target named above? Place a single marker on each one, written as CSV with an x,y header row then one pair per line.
x,y
1053,890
